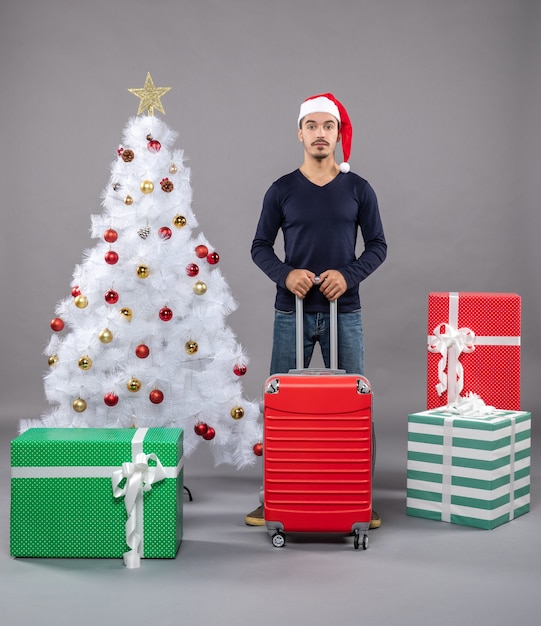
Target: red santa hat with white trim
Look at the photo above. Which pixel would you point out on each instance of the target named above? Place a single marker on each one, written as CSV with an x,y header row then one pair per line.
x,y
327,103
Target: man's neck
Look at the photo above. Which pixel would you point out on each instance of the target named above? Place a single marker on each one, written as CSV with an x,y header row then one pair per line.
x,y
319,172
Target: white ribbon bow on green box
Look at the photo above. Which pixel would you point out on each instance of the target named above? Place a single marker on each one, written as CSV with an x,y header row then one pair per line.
x,y
139,477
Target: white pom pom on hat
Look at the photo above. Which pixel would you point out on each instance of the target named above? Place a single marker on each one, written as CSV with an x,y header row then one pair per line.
x,y
327,103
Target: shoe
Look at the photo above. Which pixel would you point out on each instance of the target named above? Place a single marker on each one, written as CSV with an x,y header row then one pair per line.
x,y
375,522
255,518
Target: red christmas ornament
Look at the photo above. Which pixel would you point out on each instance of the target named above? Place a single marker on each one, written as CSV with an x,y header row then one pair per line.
x,y
213,258
200,428
258,449
111,257
166,314
110,235
240,370
142,351
57,324
165,232
111,296
156,396
75,291
154,145
201,251
110,399
192,269
210,434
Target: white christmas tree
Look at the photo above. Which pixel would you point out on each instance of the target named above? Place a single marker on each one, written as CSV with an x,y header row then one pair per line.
x,y
142,340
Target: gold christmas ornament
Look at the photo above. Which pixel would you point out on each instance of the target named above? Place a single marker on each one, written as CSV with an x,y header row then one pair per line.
x,y
105,336
134,384
81,302
79,405
126,313
200,288
85,362
147,186
191,347
143,271
150,96
53,360
128,200
179,221
237,413
173,169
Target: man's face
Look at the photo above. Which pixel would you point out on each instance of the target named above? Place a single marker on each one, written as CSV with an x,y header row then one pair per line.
x,y
319,134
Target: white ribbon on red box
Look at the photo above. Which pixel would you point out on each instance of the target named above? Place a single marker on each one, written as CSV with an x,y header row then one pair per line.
x,y
451,342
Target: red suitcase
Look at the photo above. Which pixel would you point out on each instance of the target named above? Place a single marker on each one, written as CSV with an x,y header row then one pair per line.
x,y
317,471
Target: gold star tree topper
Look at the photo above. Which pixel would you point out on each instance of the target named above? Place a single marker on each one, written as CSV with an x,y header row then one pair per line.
x,y
150,96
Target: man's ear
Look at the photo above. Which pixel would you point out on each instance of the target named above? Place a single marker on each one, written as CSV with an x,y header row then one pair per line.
x,y
299,134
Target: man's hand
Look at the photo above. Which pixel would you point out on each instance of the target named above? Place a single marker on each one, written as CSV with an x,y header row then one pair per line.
x,y
299,282
332,284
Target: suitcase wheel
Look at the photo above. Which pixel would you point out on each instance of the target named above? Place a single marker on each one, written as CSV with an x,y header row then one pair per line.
x,y
278,539
357,542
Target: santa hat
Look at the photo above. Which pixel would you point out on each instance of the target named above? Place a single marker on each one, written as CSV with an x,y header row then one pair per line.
x,y
327,103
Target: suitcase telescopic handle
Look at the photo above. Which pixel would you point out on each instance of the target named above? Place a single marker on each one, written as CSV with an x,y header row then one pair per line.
x,y
299,324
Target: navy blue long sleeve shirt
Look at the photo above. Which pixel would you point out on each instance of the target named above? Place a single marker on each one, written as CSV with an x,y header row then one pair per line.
x,y
320,227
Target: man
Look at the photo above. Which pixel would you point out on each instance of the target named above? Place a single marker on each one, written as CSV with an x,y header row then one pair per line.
x,y
320,208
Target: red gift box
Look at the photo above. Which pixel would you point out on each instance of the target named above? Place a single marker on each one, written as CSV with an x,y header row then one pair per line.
x,y
474,346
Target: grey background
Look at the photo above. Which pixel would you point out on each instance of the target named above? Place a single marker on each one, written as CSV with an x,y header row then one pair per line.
x,y
444,98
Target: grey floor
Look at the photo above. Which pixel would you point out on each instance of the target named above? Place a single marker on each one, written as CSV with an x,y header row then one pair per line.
x,y
414,571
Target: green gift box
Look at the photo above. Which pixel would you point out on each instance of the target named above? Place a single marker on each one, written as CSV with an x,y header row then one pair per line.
x,y
473,471
97,492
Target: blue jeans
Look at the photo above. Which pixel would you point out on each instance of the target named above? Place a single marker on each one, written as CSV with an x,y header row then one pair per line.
x,y
316,330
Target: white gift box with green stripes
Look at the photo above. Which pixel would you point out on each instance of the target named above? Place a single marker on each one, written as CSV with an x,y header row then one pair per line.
x,y
97,492
473,471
